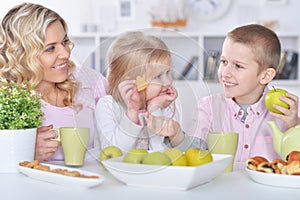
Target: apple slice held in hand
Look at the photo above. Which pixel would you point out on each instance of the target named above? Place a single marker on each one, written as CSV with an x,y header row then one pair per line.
x,y
273,97
141,83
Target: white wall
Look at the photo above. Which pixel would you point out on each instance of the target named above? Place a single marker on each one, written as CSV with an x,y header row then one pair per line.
x,y
77,12
241,11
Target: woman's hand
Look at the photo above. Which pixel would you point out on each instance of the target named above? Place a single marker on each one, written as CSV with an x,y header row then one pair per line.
x,y
45,147
288,116
131,98
163,100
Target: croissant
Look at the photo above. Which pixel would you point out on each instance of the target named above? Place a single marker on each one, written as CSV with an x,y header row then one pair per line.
x,y
293,156
268,168
253,162
279,163
293,168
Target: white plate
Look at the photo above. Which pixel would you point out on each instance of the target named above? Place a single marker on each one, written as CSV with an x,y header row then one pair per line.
x,y
278,180
167,177
62,179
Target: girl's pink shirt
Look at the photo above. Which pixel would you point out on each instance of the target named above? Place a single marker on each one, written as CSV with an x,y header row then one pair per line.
x,y
255,135
92,86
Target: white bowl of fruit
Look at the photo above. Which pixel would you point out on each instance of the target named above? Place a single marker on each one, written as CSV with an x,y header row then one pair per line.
x,y
170,169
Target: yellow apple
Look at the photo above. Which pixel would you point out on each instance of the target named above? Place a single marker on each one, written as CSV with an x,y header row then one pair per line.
x,y
110,152
135,156
197,156
157,158
273,97
177,156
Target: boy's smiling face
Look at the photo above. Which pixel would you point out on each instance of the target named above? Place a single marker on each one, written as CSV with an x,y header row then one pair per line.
x,y
239,73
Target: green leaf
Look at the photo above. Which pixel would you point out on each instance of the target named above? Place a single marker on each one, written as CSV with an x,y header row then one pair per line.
x,y
20,106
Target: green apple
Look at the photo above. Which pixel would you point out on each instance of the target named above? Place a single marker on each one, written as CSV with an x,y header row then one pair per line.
x,y
177,156
110,152
273,97
196,156
157,158
135,156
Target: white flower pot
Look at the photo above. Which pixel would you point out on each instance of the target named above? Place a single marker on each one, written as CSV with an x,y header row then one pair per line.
x,y
16,146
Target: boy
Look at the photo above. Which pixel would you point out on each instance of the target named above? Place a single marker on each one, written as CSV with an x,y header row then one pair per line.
x,y
250,56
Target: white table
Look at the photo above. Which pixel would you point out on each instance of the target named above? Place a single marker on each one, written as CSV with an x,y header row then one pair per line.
x,y
235,185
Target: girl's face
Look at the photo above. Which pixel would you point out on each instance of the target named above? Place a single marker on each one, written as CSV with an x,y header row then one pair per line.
x,y
55,56
238,73
161,79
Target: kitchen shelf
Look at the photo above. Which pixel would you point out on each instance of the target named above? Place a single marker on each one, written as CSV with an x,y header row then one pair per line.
x,y
189,50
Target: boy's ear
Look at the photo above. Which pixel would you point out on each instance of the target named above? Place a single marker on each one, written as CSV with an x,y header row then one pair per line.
x,y
267,75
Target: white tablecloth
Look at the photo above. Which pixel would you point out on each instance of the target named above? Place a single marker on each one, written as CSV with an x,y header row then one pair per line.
x,y
234,185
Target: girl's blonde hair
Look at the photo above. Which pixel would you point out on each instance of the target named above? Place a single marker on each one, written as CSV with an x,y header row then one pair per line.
x,y
22,36
130,55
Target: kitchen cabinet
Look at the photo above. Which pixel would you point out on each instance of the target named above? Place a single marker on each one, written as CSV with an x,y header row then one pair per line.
x,y
195,56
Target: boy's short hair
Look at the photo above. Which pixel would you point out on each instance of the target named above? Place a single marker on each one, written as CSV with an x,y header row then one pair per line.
x,y
263,42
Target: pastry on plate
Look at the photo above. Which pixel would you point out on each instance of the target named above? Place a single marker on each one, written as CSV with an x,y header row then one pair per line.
x,y
253,162
268,168
293,156
293,168
279,163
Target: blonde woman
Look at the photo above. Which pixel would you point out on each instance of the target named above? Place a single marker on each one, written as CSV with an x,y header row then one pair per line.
x,y
35,47
139,117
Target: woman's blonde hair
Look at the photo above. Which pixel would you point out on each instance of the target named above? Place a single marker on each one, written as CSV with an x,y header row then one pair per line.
x,y
22,36
130,55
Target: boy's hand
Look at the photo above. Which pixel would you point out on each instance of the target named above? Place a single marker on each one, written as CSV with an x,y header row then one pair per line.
x,y
288,116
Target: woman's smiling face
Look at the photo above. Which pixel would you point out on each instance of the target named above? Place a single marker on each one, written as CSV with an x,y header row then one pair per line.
x,y
55,56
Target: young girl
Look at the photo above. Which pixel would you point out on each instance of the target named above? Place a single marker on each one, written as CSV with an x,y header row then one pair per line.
x,y
131,117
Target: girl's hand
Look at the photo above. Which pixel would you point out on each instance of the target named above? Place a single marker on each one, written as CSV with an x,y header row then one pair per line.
x,y
163,126
289,116
131,98
45,147
163,100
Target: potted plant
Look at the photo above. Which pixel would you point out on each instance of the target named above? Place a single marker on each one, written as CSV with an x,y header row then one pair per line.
x,y
20,115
